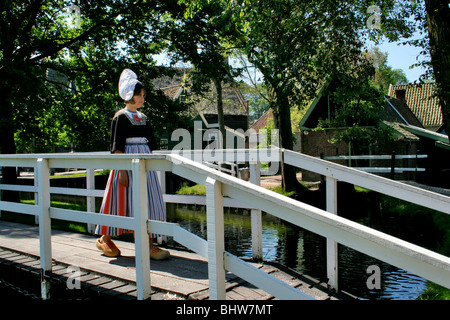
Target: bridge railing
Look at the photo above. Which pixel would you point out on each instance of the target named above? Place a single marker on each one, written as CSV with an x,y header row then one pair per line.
x,y
334,172
417,260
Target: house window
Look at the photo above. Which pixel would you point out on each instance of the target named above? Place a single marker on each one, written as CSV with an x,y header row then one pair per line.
x,y
164,144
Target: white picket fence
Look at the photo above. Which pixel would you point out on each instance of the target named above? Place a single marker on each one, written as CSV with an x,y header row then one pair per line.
x,y
223,190
392,157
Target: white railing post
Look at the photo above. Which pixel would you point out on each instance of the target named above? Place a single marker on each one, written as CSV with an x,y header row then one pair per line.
x,y
1,193
90,200
162,182
256,216
332,246
36,184
43,203
141,237
216,239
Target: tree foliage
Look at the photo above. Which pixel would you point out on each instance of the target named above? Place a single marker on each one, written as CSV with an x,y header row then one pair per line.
x,y
86,46
438,17
359,109
201,35
429,30
299,45
384,74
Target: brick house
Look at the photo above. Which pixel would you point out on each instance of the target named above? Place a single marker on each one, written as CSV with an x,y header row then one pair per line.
x,y
316,142
414,137
433,139
204,110
395,114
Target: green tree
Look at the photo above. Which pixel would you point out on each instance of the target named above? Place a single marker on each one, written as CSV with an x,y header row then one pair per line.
x,y
430,21
298,45
358,107
200,35
384,74
438,17
87,44
258,105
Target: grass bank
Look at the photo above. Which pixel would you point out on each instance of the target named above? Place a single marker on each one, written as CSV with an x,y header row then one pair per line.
x,y
198,189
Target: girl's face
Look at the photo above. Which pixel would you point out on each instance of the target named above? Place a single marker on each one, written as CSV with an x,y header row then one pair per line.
x,y
139,99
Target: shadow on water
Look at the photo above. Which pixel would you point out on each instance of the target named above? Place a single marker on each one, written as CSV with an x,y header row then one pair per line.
x,y
302,251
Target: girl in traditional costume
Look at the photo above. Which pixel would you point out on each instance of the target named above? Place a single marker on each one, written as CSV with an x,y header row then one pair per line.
x,y
131,132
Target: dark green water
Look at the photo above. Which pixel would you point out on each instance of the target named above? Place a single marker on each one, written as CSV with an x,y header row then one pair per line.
x,y
302,251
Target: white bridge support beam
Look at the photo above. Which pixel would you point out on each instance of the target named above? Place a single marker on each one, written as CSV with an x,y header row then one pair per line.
x,y
45,241
141,237
332,246
90,200
256,216
216,239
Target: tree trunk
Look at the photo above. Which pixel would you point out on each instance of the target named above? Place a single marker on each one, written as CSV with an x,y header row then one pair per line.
x,y
7,145
438,17
289,175
220,115
276,117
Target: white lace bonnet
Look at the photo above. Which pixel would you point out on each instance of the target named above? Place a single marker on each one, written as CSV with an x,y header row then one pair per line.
x,y
127,83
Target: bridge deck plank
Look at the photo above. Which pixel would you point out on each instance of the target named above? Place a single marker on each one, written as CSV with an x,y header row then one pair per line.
x,y
183,276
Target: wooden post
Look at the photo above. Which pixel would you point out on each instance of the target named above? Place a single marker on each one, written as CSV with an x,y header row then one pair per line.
x,y
90,200
393,165
332,246
45,243
141,237
256,216
216,239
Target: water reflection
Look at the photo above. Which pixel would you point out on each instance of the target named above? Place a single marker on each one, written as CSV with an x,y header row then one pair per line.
x,y
302,251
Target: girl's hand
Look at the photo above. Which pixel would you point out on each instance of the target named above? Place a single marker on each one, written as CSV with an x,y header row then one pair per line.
x,y
123,178
123,175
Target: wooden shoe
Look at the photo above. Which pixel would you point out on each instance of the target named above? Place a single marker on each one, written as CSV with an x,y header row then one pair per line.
x,y
108,248
159,254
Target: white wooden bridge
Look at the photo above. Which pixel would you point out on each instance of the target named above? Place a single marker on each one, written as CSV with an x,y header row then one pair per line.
x,y
225,190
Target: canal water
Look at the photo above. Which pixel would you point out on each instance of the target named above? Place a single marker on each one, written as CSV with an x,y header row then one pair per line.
x,y
304,252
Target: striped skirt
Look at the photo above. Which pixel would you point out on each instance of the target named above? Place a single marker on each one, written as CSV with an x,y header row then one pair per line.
x,y
117,199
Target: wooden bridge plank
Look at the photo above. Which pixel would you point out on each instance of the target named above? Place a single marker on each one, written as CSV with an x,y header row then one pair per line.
x,y
232,295
183,276
250,292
